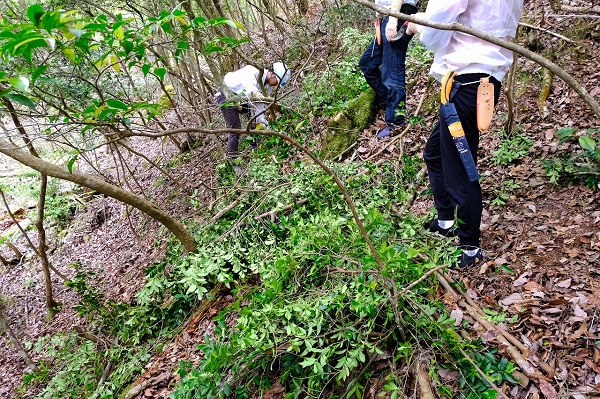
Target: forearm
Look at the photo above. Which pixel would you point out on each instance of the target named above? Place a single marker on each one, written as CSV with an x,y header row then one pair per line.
x,y
396,5
442,11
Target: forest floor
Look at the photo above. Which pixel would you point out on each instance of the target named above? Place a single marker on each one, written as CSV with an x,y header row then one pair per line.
x,y
542,247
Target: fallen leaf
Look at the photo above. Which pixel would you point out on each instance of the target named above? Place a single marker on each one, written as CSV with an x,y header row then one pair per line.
x,y
579,312
511,299
565,283
275,389
489,335
458,315
548,390
523,278
580,331
448,375
532,286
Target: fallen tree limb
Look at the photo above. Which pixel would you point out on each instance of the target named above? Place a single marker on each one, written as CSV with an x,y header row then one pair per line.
x,y
287,207
136,390
423,382
232,205
581,10
508,336
517,356
549,32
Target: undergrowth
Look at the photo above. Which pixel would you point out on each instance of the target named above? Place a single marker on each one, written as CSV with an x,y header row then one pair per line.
x,y
581,165
312,310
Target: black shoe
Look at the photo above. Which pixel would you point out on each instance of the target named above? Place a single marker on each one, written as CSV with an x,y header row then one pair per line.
x,y
434,226
466,260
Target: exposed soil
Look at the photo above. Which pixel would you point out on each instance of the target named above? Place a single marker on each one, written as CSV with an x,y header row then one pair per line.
x,y
542,248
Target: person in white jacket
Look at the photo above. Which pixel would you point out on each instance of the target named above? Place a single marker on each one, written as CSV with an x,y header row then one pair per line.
x,y
245,82
472,59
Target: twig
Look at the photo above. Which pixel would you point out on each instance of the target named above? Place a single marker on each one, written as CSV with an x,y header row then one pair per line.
x,y
484,375
580,9
423,277
355,380
411,201
341,154
566,39
527,368
33,247
229,207
287,207
547,368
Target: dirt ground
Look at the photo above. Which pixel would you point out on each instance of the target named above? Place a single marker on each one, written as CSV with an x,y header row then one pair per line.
x,y
542,247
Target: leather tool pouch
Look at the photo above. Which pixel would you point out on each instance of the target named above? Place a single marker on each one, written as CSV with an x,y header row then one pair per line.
x,y
485,104
378,31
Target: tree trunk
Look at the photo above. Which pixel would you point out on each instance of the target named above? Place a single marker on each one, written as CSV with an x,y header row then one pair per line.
x,y
103,187
51,304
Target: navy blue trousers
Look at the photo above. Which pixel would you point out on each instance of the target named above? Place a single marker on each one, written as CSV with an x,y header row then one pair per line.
x,y
384,68
452,190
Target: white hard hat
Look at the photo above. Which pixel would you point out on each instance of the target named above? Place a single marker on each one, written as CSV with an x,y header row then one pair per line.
x,y
282,72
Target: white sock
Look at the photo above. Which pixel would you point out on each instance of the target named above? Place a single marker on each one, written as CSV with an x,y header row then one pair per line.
x,y
445,224
471,252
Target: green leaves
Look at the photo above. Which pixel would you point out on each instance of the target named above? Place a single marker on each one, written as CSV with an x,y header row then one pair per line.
x,y
21,99
160,72
71,162
20,83
34,13
587,143
117,104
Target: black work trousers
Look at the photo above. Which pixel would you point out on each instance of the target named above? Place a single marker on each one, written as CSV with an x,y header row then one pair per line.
x,y
452,190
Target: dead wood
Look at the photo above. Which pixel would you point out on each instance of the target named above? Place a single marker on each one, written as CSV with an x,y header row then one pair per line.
x,y
547,78
549,32
517,356
136,390
509,337
4,326
232,205
581,10
423,382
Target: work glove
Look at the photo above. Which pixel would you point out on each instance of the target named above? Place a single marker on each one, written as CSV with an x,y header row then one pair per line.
x,y
413,28
391,29
256,96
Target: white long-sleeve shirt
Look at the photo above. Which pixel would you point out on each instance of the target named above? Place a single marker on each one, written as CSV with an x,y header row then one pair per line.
x,y
244,82
463,53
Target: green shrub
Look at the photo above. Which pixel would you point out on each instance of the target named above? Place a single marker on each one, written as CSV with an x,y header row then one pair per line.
x,y
582,165
512,148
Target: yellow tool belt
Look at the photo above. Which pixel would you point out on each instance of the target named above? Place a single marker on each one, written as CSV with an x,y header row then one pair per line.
x,y
485,100
456,129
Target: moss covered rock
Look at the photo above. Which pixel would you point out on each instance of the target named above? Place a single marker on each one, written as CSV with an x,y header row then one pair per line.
x,y
343,129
